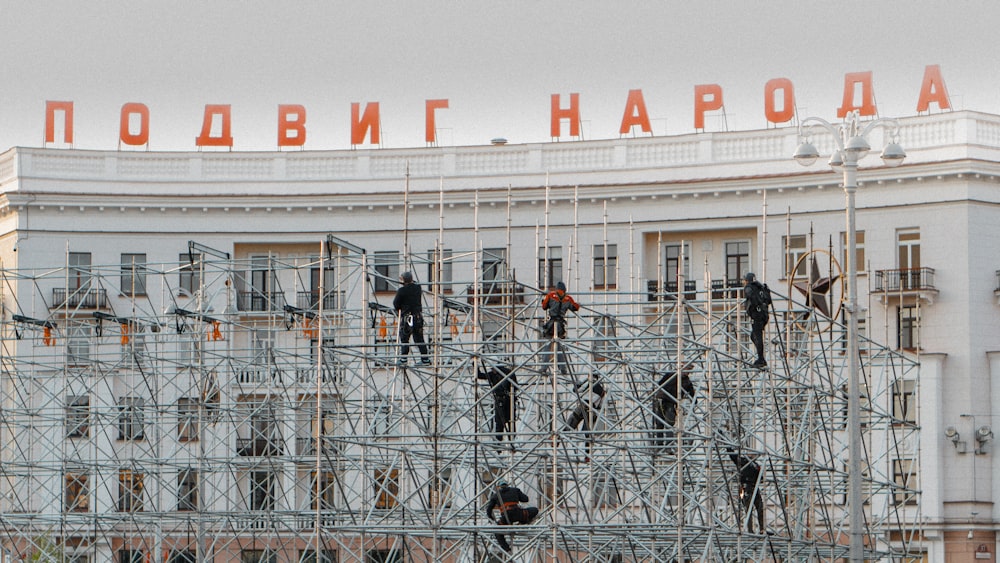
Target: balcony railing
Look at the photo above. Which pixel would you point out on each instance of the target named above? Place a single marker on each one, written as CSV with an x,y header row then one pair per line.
x,y
495,292
256,447
904,279
309,300
79,298
670,290
258,301
726,289
306,445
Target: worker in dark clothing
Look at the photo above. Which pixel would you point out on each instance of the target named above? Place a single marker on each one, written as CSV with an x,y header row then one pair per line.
x,y
557,304
665,404
757,302
503,382
408,304
590,398
750,495
508,500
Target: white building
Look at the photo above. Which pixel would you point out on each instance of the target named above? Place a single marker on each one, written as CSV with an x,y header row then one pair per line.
x,y
189,261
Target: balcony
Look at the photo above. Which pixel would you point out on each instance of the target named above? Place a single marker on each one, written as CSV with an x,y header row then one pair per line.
x,y
727,289
260,301
495,292
79,298
259,447
306,445
670,290
905,283
310,300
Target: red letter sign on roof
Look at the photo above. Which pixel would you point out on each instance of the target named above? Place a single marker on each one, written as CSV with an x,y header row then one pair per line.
x,y
225,137
572,113
125,134
635,113
50,121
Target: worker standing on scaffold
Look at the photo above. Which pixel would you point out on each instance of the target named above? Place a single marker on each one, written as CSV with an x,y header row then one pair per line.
x,y
508,499
758,303
409,310
556,303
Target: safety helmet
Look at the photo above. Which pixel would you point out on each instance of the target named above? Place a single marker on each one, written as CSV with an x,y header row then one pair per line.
x,y
561,286
749,277
501,482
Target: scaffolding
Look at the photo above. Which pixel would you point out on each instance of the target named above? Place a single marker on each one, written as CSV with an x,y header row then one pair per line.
x,y
254,409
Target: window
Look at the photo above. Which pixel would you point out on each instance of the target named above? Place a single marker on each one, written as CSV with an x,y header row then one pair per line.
x,y
79,270
262,490
190,272
908,246
134,351
134,274
130,418
182,556
325,556
904,400
494,264
189,351
672,263
550,268
386,488
442,262
795,248
905,476
737,260
76,497
187,490
859,251
130,486
78,345
324,500
386,270
77,416
325,426
383,556
605,266
439,492
130,556
258,556
263,286
187,419
908,324
328,291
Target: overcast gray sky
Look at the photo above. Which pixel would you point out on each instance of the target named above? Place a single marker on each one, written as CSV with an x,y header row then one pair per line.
x,y
496,62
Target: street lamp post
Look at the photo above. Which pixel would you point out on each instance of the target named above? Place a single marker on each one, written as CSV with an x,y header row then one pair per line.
x,y
852,146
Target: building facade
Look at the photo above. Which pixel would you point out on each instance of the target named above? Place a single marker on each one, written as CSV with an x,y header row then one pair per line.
x,y
200,350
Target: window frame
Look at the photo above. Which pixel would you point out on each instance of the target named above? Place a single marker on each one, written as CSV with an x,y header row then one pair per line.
x,y
605,266
133,274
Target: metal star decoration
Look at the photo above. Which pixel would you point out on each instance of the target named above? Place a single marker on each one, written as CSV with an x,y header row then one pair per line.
x,y
816,288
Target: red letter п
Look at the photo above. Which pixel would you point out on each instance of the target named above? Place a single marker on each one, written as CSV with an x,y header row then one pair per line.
x,y
430,129
291,125
50,121
362,124
572,113
125,134
225,137
867,107
635,113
